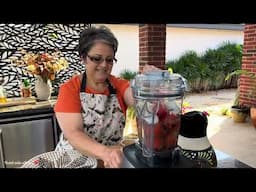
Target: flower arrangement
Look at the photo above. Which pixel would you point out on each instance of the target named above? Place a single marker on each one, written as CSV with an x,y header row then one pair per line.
x,y
185,107
42,64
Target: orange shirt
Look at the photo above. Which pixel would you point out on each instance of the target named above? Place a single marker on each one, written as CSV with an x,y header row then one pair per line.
x,y
69,94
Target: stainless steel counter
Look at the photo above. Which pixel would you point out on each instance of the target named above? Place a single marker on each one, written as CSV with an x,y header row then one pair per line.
x,y
25,106
26,130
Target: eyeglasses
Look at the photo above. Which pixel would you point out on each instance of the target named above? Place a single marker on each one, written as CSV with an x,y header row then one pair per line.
x,y
99,59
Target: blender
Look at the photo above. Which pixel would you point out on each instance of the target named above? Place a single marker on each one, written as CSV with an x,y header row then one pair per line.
x,y
158,101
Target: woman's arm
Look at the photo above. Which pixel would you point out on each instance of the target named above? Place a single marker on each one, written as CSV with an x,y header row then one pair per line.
x,y
72,126
128,97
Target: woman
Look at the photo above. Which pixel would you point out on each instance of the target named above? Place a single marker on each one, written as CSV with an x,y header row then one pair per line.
x,y
90,108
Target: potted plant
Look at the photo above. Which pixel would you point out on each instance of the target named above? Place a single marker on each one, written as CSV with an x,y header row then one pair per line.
x,y
252,96
26,88
238,111
253,115
44,66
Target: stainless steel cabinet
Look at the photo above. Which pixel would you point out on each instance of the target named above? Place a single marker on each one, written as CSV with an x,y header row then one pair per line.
x,y
22,138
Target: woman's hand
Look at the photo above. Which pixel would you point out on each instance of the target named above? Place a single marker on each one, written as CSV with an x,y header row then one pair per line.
x,y
128,95
148,68
113,156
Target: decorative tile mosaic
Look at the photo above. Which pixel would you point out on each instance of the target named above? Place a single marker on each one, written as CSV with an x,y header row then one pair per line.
x,y
37,38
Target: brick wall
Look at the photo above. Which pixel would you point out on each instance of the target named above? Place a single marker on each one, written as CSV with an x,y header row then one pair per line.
x,y
152,43
247,94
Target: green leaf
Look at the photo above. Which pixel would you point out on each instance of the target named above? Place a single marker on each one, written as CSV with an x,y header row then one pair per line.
x,y
54,35
240,72
128,74
26,83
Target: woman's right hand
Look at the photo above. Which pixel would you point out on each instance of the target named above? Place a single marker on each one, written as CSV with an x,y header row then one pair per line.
x,y
149,68
113,156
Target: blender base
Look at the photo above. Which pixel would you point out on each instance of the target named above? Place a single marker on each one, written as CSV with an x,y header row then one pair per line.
x,y
133,158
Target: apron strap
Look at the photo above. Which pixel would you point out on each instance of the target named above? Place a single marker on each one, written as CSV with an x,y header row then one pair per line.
x,y
112,90
83,84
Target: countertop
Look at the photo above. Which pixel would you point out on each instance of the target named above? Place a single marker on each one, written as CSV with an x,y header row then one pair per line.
x,y
25,106
224,160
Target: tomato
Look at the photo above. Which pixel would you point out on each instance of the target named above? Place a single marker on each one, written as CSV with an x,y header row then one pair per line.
x,y
171,123
171,141
158,137
159,143
162,111
158,130
173,116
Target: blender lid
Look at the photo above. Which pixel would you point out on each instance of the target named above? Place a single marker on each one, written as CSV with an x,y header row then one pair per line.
x,y
158,84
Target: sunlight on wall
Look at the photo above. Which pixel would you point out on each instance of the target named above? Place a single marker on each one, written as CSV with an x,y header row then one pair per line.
x,y
178,40
128,48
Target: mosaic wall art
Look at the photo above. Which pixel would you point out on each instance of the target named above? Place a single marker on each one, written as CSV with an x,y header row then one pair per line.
x,y
37,38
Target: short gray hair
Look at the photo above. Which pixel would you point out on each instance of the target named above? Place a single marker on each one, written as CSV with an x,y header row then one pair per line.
x,y
90,36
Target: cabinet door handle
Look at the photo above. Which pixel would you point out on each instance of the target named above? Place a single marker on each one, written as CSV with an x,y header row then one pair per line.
x,y
1,150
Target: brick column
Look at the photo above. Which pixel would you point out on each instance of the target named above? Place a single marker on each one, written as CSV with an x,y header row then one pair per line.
x,y
152,43
247,84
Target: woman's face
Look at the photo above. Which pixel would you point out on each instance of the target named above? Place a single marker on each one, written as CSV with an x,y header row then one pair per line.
x,y
99,62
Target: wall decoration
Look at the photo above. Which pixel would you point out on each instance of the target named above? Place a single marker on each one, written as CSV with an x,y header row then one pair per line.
x,y
37,38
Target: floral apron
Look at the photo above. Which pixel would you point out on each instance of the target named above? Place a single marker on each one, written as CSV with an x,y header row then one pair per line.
x,y
103,118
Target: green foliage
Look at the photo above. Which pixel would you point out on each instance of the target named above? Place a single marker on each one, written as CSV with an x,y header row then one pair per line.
x,y
128,74
186,65
231,56
131,112
26,83
208,72
240,72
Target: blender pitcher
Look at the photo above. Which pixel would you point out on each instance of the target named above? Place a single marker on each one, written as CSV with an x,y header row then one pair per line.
x,y
158,101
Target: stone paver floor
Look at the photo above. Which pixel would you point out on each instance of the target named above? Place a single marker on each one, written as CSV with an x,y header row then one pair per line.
x,y
235,139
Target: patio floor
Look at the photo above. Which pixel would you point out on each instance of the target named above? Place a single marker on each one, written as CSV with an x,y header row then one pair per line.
x,y
235,139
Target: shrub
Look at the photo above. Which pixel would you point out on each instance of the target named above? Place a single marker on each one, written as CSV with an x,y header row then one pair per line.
x,y
208,72
128,74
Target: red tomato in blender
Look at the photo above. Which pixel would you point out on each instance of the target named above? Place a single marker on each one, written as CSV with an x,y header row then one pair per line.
x,y
158,140
171,122
171,141
171,126
162,111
